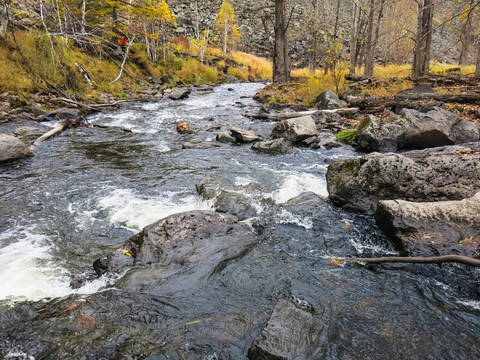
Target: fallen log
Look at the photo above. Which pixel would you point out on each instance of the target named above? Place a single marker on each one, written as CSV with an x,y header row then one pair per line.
x,y
293,115
90,107
412,260
62,125
442,80
466,98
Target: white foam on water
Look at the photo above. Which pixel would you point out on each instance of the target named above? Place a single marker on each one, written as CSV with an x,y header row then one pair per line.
x,y
473,304
134,212
29,272
361,247
286,217
243,180
295,184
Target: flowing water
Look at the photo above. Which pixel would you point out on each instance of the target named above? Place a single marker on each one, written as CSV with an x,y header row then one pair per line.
x,y
88,190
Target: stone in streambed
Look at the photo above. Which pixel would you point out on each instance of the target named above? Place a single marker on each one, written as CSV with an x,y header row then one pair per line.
x,y
12,148
244,135
277,146
226,137
295,130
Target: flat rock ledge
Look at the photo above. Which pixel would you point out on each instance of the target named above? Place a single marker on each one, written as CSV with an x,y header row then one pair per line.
x,y
432,228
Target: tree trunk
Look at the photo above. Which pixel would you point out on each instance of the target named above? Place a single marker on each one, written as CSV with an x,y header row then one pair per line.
x,y
353,38
412,260
3,18
281,68
466,37
370,47
312,59
423,42
477,65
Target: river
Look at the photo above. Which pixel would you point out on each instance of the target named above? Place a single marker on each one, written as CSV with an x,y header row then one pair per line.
x,y
88,190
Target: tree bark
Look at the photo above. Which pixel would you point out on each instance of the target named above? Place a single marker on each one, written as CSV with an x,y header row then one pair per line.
x,y
368,71
353,38
477,65
423,42
281,68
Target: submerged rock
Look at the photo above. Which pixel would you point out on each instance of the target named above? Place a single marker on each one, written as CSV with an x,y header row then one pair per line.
x,y
436,174
432,228
12,148
277,146
296,130
62,114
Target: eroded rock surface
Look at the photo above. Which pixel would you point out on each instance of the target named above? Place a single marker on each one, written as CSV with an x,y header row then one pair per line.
x,y
437,174
432,228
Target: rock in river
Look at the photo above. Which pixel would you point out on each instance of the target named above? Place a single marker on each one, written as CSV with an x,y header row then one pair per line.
x,y
277,146
244,135
12,149
296,130
432,228
436,174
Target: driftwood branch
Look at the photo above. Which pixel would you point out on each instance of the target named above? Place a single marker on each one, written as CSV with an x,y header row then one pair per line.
x,y
90,107
85,74
413,260
465,98
292,115
62,125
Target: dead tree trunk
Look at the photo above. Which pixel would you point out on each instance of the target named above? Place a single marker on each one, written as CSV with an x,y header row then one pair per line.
x,y
477,65
281,68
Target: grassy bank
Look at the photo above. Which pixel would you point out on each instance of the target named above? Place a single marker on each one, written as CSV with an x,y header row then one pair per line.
x,y
31,62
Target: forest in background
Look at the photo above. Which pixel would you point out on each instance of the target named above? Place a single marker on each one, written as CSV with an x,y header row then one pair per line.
x,y
114,46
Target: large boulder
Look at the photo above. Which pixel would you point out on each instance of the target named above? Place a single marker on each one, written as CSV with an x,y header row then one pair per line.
x,y
432,228
437,174
12,148
328,100
296,130
176,239
226,137
277,146
374,134
415,130
243,201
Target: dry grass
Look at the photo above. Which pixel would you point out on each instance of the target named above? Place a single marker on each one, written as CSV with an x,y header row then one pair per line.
x,y
257,67
195,72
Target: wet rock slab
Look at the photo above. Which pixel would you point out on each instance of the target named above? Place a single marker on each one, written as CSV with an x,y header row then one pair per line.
x,y
432,228
295,130
291,333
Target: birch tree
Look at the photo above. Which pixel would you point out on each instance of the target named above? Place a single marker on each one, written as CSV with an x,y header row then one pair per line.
x,y
226,26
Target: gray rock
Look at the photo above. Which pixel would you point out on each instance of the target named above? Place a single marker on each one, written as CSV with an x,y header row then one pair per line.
x,y
291,333
62,114
374,134
415,130
12,148
436,128
296,130
244,135
226,137
242,201
179,93
328,100
277,146
200,145
185,238
432,228
436,174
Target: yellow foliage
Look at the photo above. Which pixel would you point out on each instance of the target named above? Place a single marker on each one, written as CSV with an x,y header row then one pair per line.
x,y
260,68
226,28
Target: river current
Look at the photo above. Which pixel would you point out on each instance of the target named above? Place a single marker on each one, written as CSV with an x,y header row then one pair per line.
x,y
88,190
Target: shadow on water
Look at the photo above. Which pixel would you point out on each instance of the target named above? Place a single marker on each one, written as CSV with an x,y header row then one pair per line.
x,y
89,190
